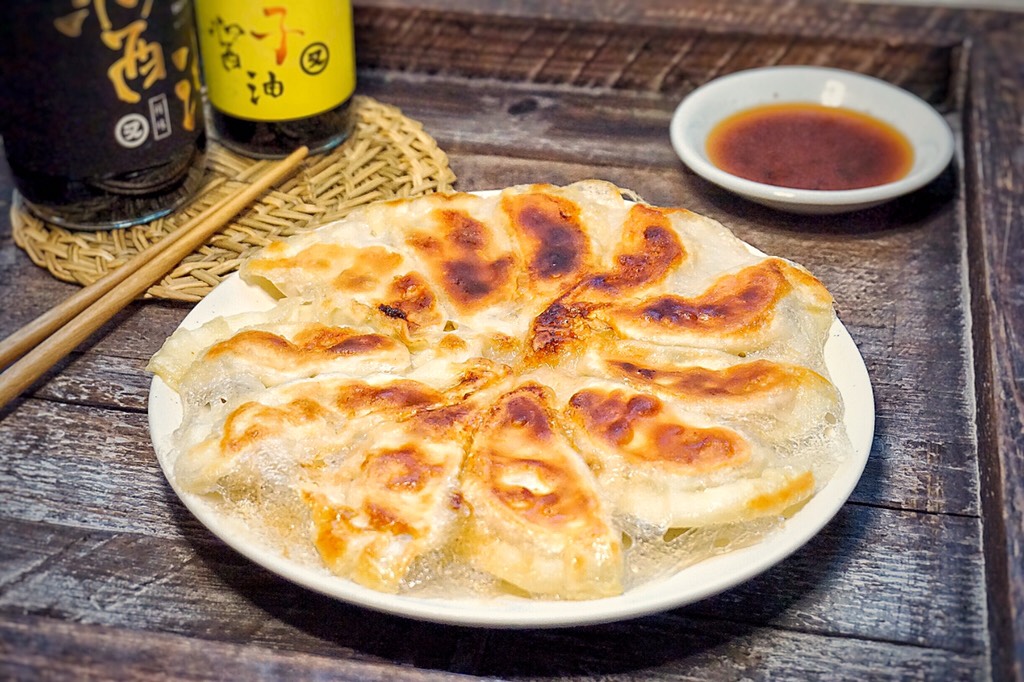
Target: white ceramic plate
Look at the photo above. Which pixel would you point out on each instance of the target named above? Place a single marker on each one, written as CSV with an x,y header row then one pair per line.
x,y
701,110
691,584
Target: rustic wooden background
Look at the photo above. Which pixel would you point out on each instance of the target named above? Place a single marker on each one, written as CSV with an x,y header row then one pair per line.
x,y
104,574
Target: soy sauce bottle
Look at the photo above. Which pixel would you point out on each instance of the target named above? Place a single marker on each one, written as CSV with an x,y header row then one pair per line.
x,y
278,74
102,120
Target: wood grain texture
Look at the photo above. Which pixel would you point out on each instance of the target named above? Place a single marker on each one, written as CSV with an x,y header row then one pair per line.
x,y
995,152
848,584
807,20
664,648
648,58
104,573
851,581
68,651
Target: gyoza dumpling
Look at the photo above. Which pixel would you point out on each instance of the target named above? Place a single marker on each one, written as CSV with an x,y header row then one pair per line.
x,y
536,518
353,277
276,437
257,358
390,502
671,469
785,404
773,308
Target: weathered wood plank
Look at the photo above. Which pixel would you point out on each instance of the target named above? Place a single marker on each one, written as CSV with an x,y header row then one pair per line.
x,y
673,648
33,648
100,380
36,290
197,587
662,49
529,120
901,22
82,466
663,648
995,216
872,573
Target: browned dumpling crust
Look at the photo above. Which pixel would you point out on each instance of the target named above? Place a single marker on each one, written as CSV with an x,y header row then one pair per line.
x,y
538,520
531,385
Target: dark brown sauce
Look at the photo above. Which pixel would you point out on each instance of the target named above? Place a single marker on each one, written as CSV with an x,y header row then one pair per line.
x,y
810,146
276,139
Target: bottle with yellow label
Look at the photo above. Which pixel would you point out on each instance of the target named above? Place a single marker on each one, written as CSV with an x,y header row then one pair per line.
x,y
279,73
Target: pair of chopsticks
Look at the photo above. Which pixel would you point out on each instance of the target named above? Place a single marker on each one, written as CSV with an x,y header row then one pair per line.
x,y
54,334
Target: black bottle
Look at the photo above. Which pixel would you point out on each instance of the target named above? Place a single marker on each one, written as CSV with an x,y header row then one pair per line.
x,y
102,118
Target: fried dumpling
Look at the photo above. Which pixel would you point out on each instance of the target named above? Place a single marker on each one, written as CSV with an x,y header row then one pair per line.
x,y
530,388
288,428
536,518
180,351
672,470
355,279
772,307
255,359
390,502
783,403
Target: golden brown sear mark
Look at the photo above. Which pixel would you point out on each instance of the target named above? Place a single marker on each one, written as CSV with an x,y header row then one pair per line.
x,y
252,422
636,426
402,395
409,298
369,264
553,332
317,341
523,462
403,469
553,499
553,240
337,526
465,259
740,380
649,249
315,260
734,303
776,501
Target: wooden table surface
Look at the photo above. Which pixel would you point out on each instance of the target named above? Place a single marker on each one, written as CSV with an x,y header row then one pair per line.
x,y
104,574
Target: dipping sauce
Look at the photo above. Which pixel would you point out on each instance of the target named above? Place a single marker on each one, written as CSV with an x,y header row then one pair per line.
x,y
810,146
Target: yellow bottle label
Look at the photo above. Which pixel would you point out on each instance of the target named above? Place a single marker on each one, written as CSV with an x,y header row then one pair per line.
x,y
276,60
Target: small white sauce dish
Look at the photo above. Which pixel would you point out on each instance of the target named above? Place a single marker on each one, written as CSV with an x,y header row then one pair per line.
x,y
705,107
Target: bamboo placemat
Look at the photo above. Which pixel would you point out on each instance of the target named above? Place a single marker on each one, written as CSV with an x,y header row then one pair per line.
x,y
388,155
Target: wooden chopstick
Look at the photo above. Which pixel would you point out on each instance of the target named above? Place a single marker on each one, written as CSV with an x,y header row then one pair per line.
x,y
30,335
54,334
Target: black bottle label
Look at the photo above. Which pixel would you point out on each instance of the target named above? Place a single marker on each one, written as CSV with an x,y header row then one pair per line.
x,y
98,87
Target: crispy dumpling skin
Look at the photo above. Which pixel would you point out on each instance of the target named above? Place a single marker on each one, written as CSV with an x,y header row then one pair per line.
x,y
771,307
255,359
233,355
536,518
290,428
390,502
780,402
670,469
512,380
182,349
354,276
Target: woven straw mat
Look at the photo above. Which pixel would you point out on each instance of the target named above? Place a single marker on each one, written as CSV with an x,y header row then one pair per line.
x,y
387,156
